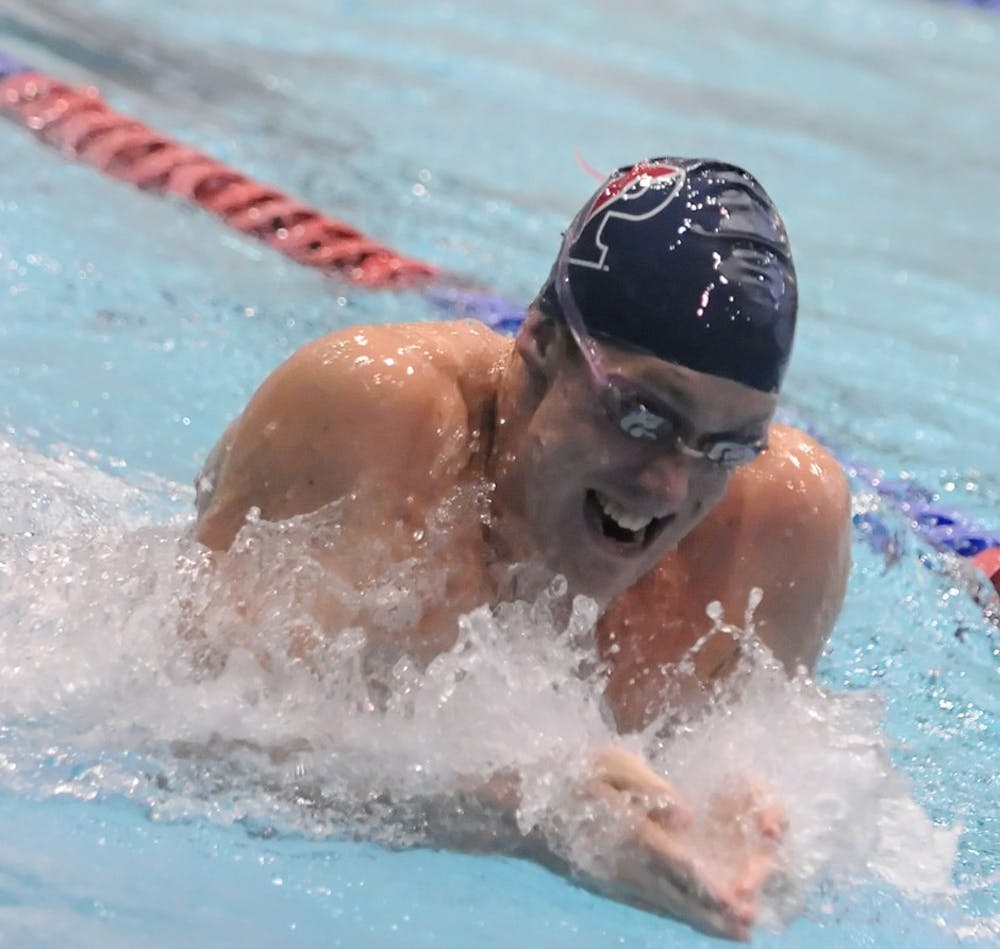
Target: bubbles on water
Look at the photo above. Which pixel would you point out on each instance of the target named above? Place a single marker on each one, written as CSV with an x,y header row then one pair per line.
x,y
250,687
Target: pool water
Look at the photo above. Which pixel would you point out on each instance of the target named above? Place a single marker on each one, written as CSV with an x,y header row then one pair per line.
x,y
134,328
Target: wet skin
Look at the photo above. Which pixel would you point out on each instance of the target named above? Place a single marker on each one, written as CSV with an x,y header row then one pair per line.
x,y
650,534
564,463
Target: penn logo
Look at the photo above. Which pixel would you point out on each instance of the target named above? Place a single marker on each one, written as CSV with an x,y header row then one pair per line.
x,y
635,195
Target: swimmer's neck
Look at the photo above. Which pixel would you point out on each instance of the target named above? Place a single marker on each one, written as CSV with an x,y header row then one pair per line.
x,y
516,395
516,559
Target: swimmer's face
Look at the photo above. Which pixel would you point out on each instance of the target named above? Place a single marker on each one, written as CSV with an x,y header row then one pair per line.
x,y
606,499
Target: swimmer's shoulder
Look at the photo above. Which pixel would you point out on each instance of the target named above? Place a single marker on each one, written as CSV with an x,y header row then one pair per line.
x,y
455,347
797,481
793,498
384,367
384,403
784,526
407,368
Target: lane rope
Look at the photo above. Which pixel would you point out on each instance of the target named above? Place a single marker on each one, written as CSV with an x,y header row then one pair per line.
x,y
82,126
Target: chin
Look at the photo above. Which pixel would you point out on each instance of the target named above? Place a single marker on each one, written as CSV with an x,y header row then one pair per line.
x,y
602,564
603,582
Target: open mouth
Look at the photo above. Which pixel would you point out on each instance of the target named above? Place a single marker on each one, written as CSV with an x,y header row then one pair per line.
x,y
618,524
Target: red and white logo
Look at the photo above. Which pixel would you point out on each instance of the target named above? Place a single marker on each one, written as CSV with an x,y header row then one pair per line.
x,y
637,194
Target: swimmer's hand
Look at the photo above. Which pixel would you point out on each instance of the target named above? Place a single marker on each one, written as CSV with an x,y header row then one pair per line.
x,y
625,832
705,868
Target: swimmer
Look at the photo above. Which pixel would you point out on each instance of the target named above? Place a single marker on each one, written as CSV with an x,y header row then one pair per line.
x,y
626,437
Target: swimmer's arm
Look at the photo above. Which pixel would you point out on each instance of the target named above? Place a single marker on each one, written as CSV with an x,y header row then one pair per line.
x,y
333,414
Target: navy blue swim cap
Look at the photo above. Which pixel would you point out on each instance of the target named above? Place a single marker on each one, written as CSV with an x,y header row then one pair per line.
x,y
688,260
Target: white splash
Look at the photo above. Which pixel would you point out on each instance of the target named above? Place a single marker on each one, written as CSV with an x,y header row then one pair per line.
x,y
128,665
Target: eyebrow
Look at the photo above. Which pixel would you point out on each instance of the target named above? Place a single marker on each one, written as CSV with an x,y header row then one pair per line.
x,y
673,393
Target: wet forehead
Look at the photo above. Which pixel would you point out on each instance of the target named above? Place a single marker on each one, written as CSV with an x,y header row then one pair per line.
x,y
709,403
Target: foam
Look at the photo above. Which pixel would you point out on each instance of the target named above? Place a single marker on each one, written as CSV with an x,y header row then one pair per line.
x,y
129,666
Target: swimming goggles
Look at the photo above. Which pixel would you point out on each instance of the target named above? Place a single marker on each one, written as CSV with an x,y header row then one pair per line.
x,y
624,403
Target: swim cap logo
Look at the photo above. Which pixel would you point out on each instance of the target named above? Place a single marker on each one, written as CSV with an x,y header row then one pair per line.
x,y
637,194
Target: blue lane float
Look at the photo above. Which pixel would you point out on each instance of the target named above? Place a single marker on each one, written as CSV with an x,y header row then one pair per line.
x,y
458,303
10,66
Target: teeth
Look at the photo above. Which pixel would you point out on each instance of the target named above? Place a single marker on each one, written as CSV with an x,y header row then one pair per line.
x,y
621,515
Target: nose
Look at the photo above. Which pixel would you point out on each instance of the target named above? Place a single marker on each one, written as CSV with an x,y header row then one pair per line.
x,y
668,476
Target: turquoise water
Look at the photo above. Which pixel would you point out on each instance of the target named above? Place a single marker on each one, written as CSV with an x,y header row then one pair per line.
x,y
132,329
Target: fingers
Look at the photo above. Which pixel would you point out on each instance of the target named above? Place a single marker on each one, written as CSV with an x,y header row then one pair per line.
x,y
673,865
719,919
677,886
757,870
624,770
708,872
753,808
639,883
772,823
628,773
657,866
698,890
